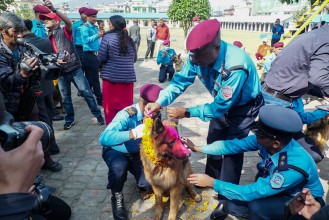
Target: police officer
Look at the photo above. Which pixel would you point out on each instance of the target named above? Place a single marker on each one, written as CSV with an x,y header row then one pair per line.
x,y
302,65
76,31
90,40
38,27
287,167
165,58
231,77
121,140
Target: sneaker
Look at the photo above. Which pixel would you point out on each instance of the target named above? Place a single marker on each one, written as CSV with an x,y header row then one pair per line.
x,y
145,60
68,125
54,167
100,120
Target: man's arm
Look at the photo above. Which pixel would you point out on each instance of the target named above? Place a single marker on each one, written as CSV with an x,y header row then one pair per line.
x,y
307,117
85,36
64,18
103,54
229,92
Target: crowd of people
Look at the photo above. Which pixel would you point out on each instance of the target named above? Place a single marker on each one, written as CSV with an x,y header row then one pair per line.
x,y
87,52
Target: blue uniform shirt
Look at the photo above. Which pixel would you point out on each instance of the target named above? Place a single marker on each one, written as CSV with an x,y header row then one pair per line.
x,y
89,36
263,187
38,28
76,32
268,61
279,30
307,117
116,135
237,88
166,60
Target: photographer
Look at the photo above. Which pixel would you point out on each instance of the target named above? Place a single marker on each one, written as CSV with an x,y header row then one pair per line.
x,y
166,58
44,101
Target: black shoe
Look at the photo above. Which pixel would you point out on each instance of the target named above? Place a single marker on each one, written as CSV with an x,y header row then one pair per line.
x,y
100,120
54,167
58,117
68,125
219,213
118,207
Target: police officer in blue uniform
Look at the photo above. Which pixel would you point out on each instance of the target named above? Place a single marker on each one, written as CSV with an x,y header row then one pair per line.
x,y
76,31
231,77
287,167
121,140
165,58
90,40
38,28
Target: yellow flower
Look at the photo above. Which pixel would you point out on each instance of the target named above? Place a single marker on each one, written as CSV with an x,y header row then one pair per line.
x,y
147,142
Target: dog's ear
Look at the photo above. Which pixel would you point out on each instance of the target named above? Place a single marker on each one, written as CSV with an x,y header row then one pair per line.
x,y
158,127
179,56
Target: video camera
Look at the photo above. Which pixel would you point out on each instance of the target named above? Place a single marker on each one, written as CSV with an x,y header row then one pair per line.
x,y
48,66
13,134
42,192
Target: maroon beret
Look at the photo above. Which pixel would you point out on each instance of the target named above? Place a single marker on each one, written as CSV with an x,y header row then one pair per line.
x,y
82,10
165,42
238,44
41,9
202,34
278,44
90,12
150,92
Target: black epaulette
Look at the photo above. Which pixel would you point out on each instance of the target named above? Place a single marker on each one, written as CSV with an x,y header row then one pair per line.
x,y
131,111
86,24
282,163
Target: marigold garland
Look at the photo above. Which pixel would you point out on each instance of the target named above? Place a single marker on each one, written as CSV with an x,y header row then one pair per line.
x,y
147,142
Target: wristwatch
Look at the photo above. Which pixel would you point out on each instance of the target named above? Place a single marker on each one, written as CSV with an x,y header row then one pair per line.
x,y
187,114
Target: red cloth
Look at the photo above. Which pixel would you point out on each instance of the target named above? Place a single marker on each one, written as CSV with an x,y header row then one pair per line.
x,y
162,33
68,35
116,96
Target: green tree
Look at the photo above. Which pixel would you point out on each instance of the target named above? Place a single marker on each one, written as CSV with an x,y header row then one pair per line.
x,y
299,13
289,2
24,12
185,10
4,4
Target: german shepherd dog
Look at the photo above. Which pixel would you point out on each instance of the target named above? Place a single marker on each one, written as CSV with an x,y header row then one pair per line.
x,y
319,132
178,63
168,176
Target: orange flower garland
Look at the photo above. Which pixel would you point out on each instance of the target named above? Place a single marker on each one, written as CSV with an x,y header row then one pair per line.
x,y
147,142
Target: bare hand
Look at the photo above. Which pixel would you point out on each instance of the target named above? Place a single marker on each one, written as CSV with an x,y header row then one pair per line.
x,y
311,206
151,109
176,112
202,180
189,144
32,63
49,5
20,166
100,34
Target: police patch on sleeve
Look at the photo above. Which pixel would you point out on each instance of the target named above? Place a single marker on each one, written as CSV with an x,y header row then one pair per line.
x,y
227,92
277,180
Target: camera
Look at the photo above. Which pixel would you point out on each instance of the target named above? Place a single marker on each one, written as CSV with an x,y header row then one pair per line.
x,y
13,134
42,192
48,66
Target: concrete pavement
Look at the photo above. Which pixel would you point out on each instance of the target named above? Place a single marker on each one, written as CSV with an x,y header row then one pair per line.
x,y
82,182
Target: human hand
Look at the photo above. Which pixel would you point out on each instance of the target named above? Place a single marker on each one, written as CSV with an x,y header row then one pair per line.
x,y
49,5
28,66
176,112
202,180
163,54
189,144
138,131
100,33
151,109
311,206
20,166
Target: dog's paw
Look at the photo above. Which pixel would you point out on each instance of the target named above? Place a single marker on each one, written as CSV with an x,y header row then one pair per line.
x,y
198,198
147,195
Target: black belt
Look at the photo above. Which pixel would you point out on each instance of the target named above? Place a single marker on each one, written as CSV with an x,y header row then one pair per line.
x,y
78,46
276,94
92,52
166,65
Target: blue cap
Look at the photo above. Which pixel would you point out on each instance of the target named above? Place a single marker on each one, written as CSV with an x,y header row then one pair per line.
x,y
277,122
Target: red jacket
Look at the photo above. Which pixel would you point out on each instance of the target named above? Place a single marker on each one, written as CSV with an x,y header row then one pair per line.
x,y
162,33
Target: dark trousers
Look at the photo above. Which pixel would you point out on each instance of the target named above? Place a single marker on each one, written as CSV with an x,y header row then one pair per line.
x,y
273,41
79,50
233,124
91,67
164,69
270,208
119,164
309,145
150,49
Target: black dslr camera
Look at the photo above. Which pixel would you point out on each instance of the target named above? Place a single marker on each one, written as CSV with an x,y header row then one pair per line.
x,y
42,192
48,66
13,134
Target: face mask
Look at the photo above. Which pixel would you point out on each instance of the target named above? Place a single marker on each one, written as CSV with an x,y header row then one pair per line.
x,y
165,47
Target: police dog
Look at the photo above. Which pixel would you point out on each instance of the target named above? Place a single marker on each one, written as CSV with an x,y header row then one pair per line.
x,y
319,132
178,62
168,176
